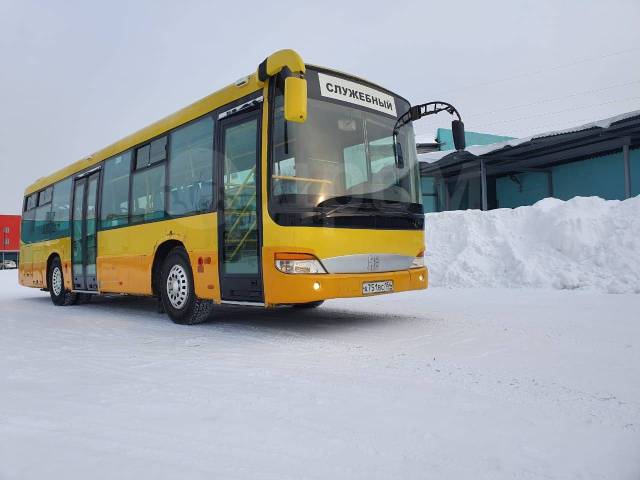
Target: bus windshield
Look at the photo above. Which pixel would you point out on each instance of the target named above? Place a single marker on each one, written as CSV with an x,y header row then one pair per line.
x,y
341,163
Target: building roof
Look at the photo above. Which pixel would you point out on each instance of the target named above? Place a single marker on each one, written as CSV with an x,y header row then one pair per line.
x,y
444,137
546,148
424,147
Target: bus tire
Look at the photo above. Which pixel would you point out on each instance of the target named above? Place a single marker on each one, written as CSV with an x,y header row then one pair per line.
x,y
309,304
55,282
177,291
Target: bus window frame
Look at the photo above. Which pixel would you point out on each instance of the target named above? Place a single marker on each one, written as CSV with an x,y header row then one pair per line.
x,y
133,170
214,195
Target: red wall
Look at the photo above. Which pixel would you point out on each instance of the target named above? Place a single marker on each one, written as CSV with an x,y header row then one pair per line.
x,y
13,222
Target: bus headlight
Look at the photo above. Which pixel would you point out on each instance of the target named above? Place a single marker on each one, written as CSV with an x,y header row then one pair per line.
x,y
418,262
298,263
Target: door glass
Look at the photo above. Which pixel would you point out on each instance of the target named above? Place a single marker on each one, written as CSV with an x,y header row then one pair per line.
x,y
240,253
78,197
91,217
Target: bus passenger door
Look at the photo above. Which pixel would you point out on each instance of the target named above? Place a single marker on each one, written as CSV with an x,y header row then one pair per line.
x,y
84,236
239,220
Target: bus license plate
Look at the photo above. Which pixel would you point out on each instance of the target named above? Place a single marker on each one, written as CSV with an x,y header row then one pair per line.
x,y
369,288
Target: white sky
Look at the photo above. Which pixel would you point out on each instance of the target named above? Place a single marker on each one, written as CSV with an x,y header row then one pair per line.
x,y
77,75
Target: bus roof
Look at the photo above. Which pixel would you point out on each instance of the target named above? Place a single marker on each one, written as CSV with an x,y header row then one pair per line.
x,y
217,99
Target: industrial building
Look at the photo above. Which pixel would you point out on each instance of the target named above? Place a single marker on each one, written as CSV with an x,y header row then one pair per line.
x,y
597,159
10,240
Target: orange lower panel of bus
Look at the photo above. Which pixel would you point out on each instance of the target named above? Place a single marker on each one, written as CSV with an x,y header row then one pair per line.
x,y
282,288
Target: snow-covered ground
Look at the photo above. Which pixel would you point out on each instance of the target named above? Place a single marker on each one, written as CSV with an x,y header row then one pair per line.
x,y
445,383
585,243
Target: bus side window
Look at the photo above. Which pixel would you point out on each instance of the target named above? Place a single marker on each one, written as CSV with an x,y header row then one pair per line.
x,y
148,182
147,194
41,229
151,153
191,168
115,191
60,208
28,218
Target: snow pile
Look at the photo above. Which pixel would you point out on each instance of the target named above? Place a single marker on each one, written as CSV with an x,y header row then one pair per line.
x,y
584,243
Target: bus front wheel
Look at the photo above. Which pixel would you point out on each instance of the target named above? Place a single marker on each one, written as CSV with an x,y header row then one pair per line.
x,y
178,294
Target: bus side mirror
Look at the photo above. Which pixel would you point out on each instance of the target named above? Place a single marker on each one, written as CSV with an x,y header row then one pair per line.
x,y
457,130
295,99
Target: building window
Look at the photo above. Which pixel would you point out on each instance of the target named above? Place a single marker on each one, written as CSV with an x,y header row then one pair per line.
x,y
6,241
6,229
191,168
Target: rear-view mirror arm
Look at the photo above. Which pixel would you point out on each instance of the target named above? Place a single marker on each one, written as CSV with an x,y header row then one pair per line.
x,y
416,112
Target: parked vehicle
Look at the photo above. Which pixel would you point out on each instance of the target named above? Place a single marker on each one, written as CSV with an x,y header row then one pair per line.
x,y
291,186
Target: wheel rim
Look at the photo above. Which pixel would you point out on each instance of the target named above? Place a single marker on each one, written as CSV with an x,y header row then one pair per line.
x,y
177,286
56,281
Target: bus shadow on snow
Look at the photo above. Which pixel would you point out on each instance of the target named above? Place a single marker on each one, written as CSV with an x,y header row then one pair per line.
x,y
294,319
325,317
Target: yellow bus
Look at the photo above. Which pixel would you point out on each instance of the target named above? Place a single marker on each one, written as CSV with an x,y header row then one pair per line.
x,y
293,185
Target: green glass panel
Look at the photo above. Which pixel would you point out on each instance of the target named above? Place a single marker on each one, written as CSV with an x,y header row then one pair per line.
x,y
90,216
634,166
60,209
77,227
240,255
115,191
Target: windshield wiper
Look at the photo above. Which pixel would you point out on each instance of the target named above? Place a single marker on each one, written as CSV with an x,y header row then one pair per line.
x,y
345,202
357,205
341,200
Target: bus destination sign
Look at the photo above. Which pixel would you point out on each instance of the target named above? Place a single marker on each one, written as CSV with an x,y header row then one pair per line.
x,y
352,92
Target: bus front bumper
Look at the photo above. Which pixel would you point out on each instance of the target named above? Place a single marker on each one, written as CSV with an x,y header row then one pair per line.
x,y
289,289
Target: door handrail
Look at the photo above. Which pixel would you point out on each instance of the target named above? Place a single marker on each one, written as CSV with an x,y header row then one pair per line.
x,y
242,212
242,186
241,243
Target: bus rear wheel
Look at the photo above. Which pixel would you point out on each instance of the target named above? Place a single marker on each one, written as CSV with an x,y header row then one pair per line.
x,y
55,282
178,293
